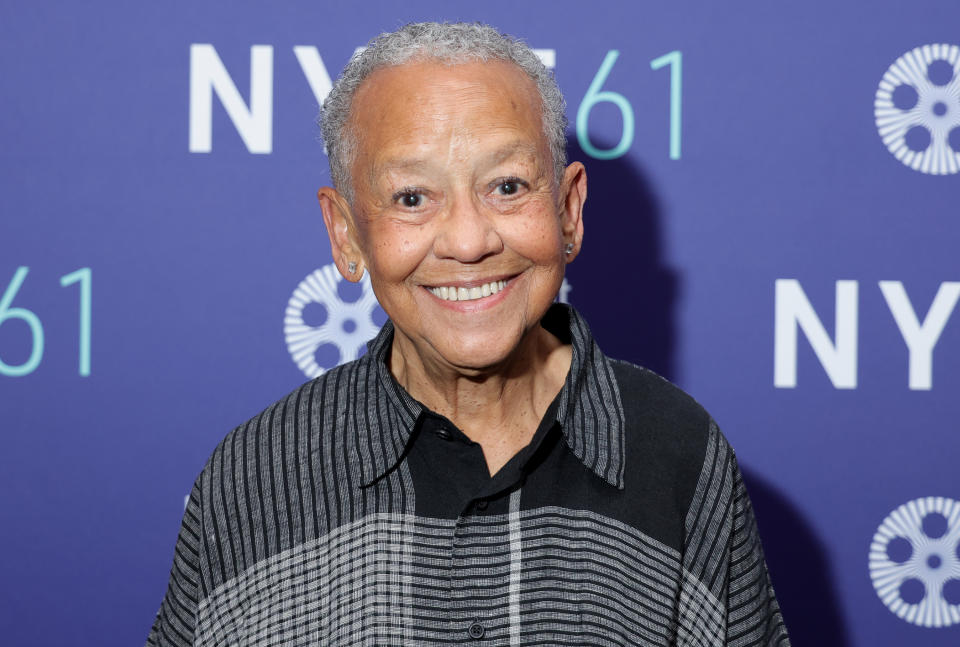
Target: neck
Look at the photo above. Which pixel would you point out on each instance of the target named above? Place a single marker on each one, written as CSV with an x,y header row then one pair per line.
x,y
497,407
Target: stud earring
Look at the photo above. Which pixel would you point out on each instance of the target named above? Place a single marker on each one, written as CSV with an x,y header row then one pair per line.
x,y
352,267
569,249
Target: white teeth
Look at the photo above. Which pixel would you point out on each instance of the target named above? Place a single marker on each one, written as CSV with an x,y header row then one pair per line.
x,y
453,293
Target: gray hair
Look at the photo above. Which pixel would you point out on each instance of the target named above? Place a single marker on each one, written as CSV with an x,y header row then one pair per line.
x,y
450,43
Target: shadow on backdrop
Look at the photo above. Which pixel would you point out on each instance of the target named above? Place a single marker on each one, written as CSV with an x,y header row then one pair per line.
x,y
799,566
632,313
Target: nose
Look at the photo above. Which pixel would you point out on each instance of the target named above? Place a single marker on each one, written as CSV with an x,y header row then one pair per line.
x,y
467,234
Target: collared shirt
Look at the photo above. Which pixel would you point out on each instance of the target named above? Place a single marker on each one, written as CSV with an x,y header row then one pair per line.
x,y
349,514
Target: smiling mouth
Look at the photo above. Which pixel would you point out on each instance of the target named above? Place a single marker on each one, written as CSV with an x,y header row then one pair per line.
x,y
455,293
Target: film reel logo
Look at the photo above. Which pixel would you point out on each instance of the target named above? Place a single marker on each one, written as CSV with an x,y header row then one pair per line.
x,y
915,562
323,327
917,109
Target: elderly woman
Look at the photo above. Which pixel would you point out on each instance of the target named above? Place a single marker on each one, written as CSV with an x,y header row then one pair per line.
x,y
484,472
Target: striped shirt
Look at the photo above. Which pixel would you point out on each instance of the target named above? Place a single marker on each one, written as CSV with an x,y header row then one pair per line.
x,y
349,514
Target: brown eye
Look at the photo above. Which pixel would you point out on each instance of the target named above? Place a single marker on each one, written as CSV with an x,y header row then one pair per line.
x,y
510,186
410,199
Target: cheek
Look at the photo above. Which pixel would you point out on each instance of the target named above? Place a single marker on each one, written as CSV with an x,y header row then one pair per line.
x,y
394,252
537,237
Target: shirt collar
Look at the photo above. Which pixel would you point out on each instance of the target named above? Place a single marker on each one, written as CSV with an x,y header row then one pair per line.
x,y
382,415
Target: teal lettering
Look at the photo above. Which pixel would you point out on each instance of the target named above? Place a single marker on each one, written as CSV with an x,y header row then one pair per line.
x,y
675,60
36,328
595,96
84,277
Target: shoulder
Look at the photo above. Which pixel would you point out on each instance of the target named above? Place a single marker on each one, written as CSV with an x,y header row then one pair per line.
x,y
291,426
254,498
668,433
659,407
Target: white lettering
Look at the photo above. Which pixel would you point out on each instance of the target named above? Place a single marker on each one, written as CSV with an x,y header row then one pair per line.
x,y
208,75
254,122
792,310
920,338
547,56
316,72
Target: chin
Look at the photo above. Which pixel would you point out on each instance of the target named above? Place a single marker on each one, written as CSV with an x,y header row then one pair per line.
x,y
480,352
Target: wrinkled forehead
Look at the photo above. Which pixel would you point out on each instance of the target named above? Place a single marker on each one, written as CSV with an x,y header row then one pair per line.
x,y
496,74
423,103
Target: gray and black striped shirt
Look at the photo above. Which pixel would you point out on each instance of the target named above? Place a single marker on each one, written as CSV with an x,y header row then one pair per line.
x,y
349,514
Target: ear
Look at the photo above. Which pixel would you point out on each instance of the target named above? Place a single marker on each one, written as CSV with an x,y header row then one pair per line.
x,y
338,218
573,193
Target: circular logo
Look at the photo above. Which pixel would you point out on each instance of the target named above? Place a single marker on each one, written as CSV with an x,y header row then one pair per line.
x,y
915,562
917,109
323,328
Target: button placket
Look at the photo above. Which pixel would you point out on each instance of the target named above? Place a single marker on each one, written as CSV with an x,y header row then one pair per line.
x,y
466,598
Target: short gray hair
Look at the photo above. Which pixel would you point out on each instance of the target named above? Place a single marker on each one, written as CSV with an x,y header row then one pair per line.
x,y
450,43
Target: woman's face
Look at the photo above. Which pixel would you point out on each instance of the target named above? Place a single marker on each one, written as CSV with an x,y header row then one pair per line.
x,y
457,214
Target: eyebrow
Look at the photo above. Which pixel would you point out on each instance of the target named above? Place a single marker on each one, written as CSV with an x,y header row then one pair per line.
x,y
417,163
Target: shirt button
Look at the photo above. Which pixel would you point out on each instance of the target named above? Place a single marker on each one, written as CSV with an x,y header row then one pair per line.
x,y
442,434
476,631
482,504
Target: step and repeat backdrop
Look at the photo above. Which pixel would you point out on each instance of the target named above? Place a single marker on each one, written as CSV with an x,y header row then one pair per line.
x,y
773,223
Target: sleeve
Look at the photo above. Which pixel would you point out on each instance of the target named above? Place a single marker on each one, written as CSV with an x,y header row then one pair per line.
x,y
176,621
726,597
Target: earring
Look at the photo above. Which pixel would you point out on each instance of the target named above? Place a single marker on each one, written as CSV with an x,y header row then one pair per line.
x,y
352,266
569,249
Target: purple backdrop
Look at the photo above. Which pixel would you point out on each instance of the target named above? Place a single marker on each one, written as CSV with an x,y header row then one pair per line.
x,y
743,227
